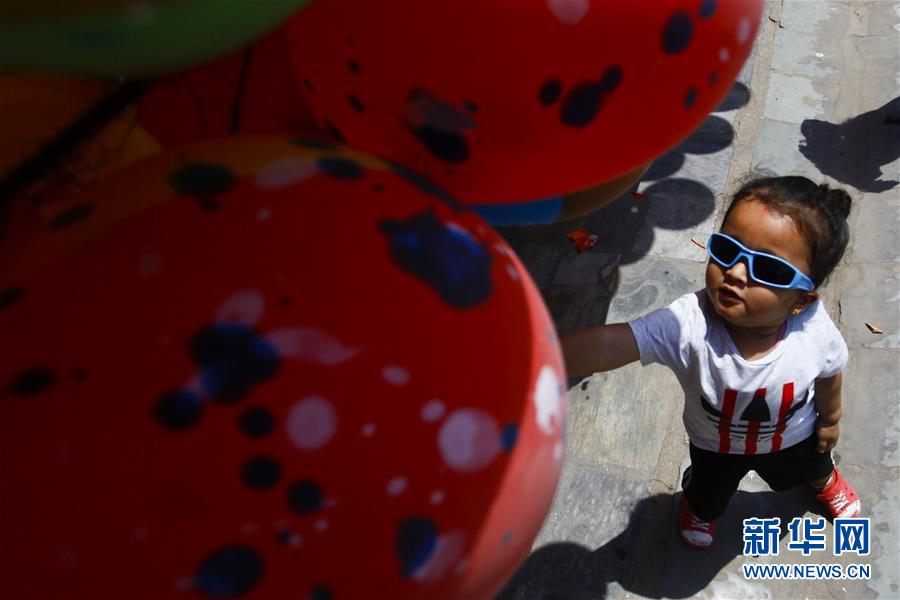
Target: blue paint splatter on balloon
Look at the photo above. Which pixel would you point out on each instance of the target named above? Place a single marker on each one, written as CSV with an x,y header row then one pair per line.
x,y
549,92
509,436
677,33
232,359
690,97
447,258
584,101
31,382
707,8
304,497
415,542
229,571
261,473
256,422
178,409
449,146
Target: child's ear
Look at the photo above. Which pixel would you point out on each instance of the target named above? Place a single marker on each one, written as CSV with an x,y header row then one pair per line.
x,y
804,300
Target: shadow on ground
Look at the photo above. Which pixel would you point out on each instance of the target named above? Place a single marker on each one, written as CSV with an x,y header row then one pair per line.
x,y
578,288
855,151
648,558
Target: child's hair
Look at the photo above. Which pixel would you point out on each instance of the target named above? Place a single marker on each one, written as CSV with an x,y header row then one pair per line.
x,y
819,212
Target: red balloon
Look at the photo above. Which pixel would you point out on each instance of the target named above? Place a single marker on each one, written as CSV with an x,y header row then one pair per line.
x,y
499,101
249,91
282,369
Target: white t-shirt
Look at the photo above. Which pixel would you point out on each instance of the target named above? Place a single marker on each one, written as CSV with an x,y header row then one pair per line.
x,y
733,405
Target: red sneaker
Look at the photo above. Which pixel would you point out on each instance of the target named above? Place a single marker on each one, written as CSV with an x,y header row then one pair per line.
x,y
694,531
840,498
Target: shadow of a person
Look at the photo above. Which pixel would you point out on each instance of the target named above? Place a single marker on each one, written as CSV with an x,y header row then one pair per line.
x,y
648,558
854,152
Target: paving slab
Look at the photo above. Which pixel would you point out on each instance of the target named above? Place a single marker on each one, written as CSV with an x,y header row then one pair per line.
x,y
575,307
798,53
876,222
794,99
646,285
870,425
778,150
587,537
824,18
878,55
872,18
542,260
587,268
673,220
874,299
611,413
702,169
881,497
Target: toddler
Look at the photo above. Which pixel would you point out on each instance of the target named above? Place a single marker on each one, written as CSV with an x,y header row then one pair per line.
x,y
756,354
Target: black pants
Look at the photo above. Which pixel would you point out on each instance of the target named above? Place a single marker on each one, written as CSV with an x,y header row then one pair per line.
x,y
715,477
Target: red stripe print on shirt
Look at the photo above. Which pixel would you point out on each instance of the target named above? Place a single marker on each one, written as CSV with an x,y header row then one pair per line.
x,y
725,421
787,398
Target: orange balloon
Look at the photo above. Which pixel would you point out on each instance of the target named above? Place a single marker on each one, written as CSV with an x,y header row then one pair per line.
x,y
34,109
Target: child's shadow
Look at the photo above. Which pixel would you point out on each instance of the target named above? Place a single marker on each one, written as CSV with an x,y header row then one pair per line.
x,y
648,558
855,152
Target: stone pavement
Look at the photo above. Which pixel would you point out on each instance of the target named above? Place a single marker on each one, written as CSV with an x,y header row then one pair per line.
x,y
820,96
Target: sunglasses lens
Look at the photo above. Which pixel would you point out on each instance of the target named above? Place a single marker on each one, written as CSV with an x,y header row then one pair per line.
x,y
723,249
773,271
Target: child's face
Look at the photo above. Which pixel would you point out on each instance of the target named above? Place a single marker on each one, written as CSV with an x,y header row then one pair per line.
x,y
737,298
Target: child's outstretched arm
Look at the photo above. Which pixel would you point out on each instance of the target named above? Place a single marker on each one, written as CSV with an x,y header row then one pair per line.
x,y
828,405
599,348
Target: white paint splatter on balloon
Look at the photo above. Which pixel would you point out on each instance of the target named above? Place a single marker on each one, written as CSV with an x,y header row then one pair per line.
x,y
311,423
569,12
311,345
396,486
395,375
283,173
433,410
743,32
242,307
548,401
469,440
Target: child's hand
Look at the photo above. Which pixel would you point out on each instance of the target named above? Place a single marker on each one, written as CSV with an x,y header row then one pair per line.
x,y
828,436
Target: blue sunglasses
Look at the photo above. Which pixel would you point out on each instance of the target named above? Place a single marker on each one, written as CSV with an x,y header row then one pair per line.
x,y
763,268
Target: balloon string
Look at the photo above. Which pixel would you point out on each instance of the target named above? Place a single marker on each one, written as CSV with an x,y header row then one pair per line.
x,y
58,148
241,88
